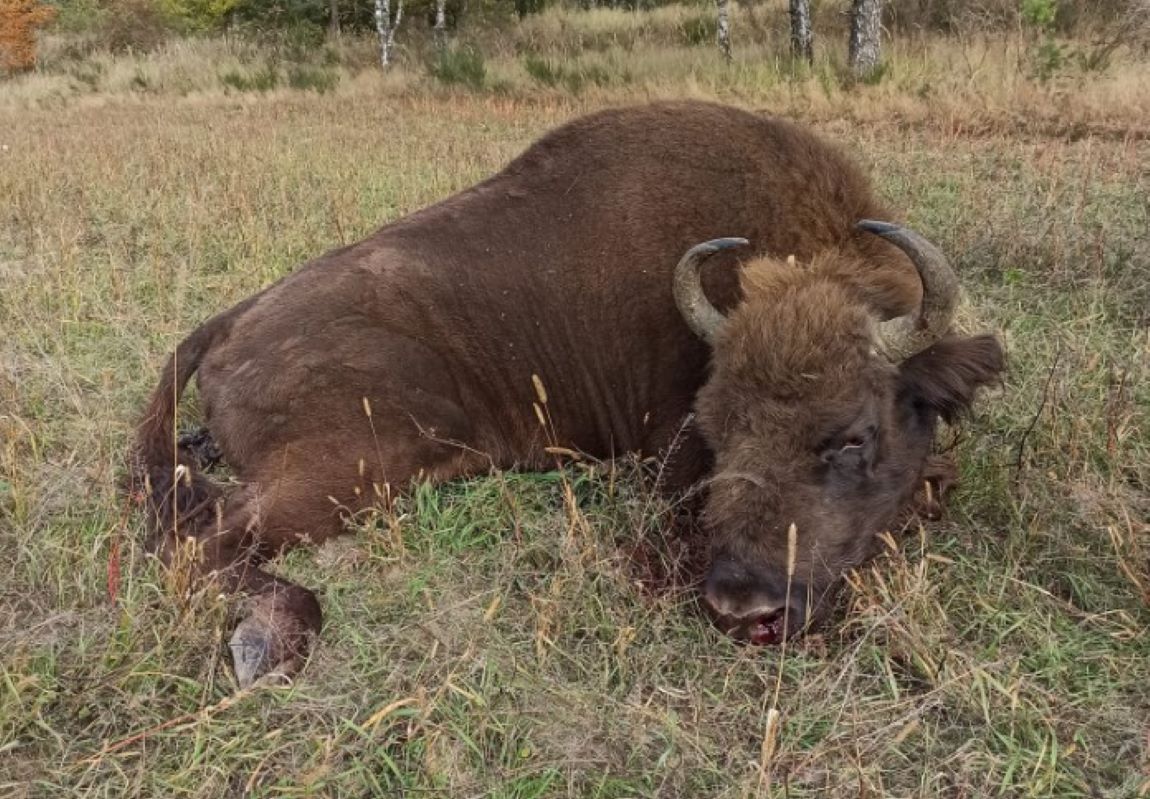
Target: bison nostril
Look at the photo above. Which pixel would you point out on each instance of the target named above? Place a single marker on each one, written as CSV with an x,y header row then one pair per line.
x,y
735,590
752,604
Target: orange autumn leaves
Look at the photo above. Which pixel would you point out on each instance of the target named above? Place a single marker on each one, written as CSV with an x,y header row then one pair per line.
x,y
19,20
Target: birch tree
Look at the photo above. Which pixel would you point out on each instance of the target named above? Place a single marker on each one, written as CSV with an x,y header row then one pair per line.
x,y
724,28
440,26
386,27
333,26
802,35
865,47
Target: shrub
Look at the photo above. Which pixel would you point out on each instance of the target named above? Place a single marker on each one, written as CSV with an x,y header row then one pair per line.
x,y
316,79
543,70
19,21
87,72
262,80
525,7
1039,13
700,30
574,77
459,65
1066,16
140,82
198,15
133,26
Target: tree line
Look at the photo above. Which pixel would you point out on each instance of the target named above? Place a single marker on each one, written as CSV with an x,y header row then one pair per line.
x,y
133,24
865,34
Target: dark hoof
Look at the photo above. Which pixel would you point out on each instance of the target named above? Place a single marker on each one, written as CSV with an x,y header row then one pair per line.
x,y
274,638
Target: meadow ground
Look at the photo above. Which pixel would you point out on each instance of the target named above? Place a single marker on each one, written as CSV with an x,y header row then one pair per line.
x,y
492,638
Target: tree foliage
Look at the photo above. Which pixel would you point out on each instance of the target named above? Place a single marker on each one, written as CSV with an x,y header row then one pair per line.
x,y
19,23
198,15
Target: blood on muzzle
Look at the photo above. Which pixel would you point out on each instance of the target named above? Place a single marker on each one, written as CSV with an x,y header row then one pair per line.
x,y
751,605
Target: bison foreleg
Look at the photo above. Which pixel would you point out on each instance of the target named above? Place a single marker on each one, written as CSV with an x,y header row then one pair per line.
x,y
278,619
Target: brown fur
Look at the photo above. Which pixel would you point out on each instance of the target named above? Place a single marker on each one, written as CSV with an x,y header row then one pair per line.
x,y
812,428
560,265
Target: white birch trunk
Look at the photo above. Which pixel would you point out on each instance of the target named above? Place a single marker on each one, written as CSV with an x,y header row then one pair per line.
x,y
440,26
386,27
866,29
724,28
802,34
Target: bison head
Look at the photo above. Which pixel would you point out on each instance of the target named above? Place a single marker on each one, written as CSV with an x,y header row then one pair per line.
x,y
821,415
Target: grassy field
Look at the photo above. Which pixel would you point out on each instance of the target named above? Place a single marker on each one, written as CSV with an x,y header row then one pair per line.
x,y
496,638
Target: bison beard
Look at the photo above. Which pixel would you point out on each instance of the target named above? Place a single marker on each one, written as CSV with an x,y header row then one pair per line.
x,y
816,383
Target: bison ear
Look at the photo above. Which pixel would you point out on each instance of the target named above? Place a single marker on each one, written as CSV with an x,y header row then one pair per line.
x,y
944,377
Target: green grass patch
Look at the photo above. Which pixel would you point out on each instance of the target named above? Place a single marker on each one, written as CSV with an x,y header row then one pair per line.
x,y
574,76
461,66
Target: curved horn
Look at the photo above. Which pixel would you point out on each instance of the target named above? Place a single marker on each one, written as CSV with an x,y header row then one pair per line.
x,y
905,335
702,317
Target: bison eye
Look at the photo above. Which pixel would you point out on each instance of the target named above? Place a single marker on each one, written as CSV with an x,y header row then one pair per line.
x,y
839,455
852,451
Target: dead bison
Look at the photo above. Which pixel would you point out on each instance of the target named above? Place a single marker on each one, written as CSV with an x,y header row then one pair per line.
x,y
815,383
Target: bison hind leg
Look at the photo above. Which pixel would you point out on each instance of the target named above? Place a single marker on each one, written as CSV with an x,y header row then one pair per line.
x,y
278,620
